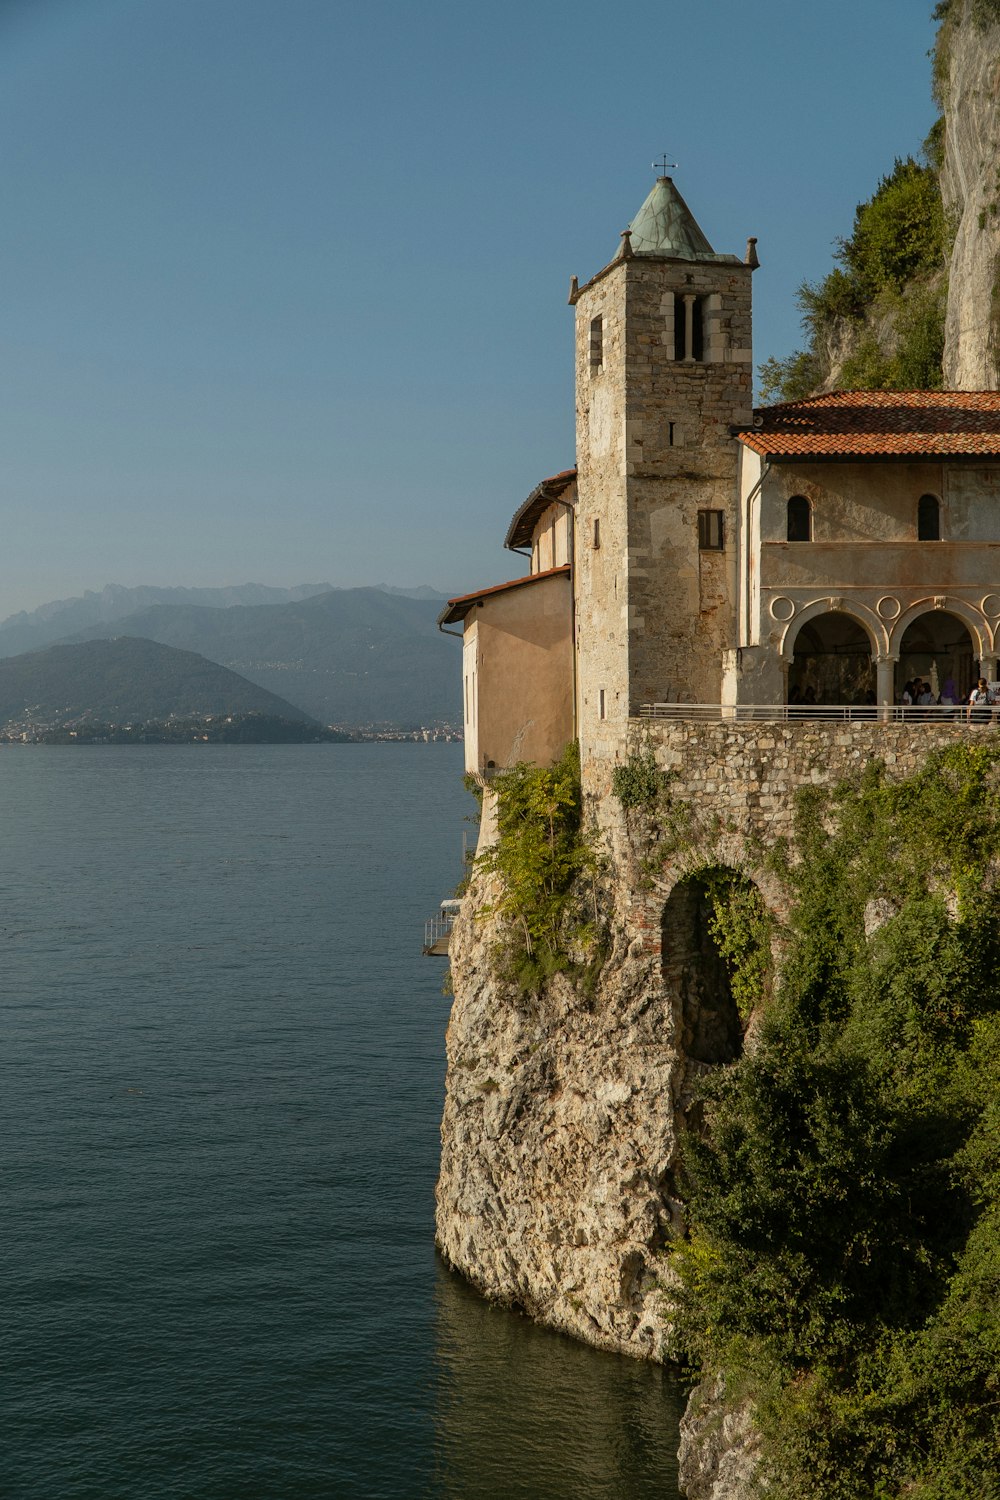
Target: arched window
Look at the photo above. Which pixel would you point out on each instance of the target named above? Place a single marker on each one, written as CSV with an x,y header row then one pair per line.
x,y
799,519
929,519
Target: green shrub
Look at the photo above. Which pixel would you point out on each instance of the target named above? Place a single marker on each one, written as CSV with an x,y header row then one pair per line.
x,y
547,870
843,1263
639,782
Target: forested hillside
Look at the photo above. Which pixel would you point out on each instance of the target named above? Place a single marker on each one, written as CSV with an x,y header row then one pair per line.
x,y
127,680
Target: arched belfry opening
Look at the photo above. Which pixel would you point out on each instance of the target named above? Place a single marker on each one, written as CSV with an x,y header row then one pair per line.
x,y
832,662
707,963
938,648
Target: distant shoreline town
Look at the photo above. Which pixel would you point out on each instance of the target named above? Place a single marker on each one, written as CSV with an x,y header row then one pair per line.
x,y
227,729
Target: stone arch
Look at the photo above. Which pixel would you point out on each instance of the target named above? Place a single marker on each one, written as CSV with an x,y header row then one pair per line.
x,y
866,618
982,636
696,975
941,645
833,661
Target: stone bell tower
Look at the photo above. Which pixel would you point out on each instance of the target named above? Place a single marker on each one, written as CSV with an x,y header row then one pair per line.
x,y
663,367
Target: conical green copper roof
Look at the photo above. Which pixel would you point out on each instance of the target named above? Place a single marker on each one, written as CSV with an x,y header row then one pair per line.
x,y
665,225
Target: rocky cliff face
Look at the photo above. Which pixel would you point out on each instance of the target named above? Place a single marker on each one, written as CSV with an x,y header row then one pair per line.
x,y
558,1139
720,1449
968,66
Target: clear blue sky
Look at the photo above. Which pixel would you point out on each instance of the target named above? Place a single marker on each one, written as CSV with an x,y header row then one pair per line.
x,y
283,282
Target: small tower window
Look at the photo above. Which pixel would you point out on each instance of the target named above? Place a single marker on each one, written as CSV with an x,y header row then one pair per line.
x,y
597,533
928,519
799,519
689,337
711,535
596,345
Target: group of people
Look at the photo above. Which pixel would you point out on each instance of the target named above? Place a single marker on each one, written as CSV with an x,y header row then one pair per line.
x,y
917,693
920,692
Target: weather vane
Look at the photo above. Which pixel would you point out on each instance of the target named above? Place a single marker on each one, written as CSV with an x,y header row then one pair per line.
x,y
660,167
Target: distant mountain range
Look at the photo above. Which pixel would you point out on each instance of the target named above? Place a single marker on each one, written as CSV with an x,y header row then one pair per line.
x,y
369,656
63,618
349,657
127,680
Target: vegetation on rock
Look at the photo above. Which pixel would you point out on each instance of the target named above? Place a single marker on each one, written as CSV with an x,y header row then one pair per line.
x,y
878,317
843,1261
547,869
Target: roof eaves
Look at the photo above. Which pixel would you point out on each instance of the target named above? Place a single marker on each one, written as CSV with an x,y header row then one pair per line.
x,y
456,609
543,495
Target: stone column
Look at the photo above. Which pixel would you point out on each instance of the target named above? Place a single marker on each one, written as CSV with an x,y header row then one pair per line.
x,y
689,325
885,670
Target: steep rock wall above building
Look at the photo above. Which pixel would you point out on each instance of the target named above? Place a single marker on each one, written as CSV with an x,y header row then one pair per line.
x,y
968,75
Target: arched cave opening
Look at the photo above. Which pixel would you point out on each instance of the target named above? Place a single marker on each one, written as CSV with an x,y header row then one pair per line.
x,y
697,975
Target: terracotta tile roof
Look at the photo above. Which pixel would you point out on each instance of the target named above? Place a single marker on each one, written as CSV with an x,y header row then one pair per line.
x,y
879,424
457,609
526,516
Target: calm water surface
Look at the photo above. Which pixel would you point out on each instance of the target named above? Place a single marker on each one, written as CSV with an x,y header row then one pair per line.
x,y
223,1065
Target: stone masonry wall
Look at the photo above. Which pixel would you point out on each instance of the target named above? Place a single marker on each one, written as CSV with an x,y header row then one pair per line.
x,y
745,775
655,612
680,459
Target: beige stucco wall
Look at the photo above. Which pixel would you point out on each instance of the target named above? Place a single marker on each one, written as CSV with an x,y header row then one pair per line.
x,y
865,559
518,651
552,538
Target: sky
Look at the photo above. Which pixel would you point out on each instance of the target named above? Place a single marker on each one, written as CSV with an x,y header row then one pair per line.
x,y
283,282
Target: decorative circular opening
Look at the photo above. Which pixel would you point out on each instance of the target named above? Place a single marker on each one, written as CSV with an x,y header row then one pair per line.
x,y
991,605
888,607
781,609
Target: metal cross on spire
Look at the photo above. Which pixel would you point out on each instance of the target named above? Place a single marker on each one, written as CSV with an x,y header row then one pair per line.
x,y
660,167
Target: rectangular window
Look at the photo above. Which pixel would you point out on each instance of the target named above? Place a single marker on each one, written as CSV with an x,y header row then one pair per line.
x,y
597,532
600,704
596,345
711,537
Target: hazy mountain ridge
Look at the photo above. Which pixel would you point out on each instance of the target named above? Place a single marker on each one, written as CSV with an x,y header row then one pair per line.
x,y
127,680
61,619
349,656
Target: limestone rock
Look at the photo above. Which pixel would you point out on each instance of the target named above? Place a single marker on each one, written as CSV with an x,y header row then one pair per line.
x,y
558,1139
970,189
720,1449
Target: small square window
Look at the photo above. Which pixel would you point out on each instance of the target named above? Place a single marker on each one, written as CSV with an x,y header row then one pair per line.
x,y
711,537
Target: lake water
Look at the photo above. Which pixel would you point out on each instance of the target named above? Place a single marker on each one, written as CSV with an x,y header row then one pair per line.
x,y
223,1063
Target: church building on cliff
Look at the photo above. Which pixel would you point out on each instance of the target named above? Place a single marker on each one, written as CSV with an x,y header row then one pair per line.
x,y
705,559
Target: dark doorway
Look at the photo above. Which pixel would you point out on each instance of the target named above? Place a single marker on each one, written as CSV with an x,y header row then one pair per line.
x,y
938,648
832,662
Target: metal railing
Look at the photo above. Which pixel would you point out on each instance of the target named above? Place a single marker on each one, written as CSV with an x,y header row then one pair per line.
x,y
824,713
437,928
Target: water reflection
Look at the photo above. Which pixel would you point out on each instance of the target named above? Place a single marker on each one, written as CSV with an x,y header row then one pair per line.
x,y
531,1415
